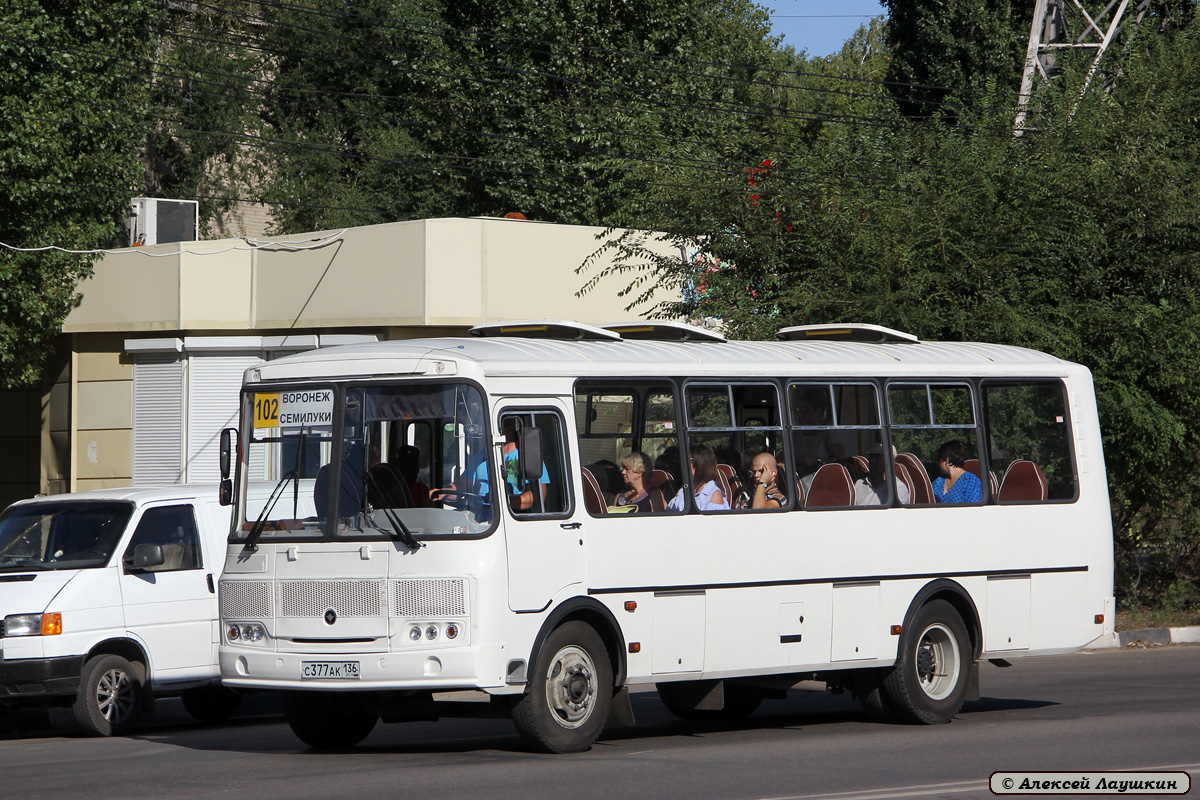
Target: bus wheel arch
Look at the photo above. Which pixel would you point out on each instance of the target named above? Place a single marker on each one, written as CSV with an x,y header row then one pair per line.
x,y
598,616
953,593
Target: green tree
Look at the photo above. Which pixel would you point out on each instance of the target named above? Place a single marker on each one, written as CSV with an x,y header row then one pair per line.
x,y
70,136
947,54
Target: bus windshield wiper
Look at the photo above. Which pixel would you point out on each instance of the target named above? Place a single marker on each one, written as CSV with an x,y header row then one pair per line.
x,y
402,532
251,544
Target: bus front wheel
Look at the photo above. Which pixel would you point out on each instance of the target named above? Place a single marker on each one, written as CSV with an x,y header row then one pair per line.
x,y
928,683
327,720
569,694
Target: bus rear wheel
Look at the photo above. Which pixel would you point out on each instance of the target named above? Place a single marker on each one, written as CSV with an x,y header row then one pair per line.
x,y
929,681
327,720
570,692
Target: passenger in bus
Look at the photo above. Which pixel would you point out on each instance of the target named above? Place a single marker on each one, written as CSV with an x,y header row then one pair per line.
x,y
763,490
407,460
871,490
704,482
634,469
955,484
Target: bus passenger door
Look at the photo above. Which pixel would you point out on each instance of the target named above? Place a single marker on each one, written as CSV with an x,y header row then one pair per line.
x,y
543,534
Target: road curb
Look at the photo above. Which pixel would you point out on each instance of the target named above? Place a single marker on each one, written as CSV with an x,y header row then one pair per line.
x,y
1147,636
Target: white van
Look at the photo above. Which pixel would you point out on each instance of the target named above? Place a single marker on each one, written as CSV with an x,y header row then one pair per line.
x,y
109,600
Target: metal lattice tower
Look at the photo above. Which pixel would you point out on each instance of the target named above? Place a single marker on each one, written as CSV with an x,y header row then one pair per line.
x,y
1068,25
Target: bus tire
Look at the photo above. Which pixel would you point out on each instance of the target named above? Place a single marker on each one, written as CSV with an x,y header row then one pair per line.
x,y
869,689
929,681
740,702
213,703
327,720
570,692
110,696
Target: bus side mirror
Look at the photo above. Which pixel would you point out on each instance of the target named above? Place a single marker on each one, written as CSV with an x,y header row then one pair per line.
x,y
226,451
226,492
529,453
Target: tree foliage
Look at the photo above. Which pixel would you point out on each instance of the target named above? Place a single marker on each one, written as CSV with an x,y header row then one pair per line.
x,y
69,143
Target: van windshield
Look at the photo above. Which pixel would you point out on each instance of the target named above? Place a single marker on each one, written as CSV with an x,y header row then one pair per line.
x,y
61,535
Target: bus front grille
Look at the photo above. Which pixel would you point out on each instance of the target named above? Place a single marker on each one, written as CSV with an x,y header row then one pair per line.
x,y
429,597
349,598
245,599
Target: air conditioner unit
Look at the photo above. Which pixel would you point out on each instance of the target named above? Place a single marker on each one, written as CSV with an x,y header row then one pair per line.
x,y
157,221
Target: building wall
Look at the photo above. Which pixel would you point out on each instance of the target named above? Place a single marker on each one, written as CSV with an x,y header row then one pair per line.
x,y
102,435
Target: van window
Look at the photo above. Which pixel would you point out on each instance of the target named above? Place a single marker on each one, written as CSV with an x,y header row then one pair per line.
x,y
173,528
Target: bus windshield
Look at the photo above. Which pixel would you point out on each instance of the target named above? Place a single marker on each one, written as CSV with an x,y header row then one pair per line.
x,y
413,461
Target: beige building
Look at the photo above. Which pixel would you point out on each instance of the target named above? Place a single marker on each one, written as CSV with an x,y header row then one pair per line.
x,y
149,364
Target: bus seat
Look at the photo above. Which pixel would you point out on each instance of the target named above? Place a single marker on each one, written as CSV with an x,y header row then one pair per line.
x,y
725,483
831,486
863,465
905,477
663,481
799,493
972,465
593,498
1023,482
658,502
922,488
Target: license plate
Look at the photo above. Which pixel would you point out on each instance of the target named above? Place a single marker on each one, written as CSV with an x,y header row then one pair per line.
x,y
335,670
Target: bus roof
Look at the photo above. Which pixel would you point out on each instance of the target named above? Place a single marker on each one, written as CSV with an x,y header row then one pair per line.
x,y
514,356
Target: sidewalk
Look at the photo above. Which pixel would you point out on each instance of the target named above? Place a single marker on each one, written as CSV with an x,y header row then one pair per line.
x,y
1147,637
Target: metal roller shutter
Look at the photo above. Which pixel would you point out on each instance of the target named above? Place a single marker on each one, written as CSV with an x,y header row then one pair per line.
x,y
158,388
214,385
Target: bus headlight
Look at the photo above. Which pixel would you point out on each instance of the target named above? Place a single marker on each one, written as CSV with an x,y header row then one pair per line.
x,y
414,633
249,632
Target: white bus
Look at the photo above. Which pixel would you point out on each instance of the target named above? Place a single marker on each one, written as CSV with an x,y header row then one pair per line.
x,y
938,504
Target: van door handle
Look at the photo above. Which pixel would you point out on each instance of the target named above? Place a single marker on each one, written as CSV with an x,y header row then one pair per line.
x,y
571,526
211,589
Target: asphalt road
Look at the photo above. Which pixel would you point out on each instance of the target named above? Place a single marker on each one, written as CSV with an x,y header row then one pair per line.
x,y
1106,710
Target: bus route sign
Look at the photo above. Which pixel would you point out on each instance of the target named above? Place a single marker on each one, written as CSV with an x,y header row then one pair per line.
x,y
293,409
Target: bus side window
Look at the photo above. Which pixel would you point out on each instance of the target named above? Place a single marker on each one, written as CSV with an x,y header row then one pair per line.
x,y
546,494
936,437
1028,438
837,446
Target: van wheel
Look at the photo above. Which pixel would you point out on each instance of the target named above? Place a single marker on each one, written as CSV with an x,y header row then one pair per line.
x,y
740,702
568,699
327,720
928,683
211,703
110,693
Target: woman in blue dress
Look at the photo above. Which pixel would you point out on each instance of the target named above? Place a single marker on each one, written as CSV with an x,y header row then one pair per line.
x,y
956,484
704,479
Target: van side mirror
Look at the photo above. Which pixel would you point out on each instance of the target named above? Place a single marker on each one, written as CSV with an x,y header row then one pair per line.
x,y
227,451
145,556
529,453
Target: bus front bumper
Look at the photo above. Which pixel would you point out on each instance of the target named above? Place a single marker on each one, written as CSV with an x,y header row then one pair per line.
x,y
472,667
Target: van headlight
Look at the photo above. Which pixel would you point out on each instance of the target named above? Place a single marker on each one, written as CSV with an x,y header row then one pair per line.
x,y
33,624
